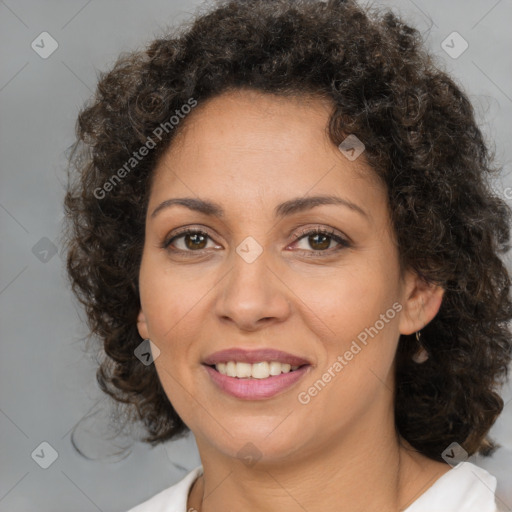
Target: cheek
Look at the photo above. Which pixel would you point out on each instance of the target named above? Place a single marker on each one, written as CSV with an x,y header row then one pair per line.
x,y
170,297
171,305
351,312
349,298
358,335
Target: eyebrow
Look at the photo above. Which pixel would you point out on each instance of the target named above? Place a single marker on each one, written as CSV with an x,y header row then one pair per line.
x,y
285,209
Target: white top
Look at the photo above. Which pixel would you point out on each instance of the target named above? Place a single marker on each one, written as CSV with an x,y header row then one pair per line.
x,y
465,488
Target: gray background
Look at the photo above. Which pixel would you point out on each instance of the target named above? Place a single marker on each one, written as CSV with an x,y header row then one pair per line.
x,y
47,380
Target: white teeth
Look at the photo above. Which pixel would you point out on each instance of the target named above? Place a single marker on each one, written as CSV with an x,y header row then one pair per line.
x,y
260,370
275,368
243,370
231,369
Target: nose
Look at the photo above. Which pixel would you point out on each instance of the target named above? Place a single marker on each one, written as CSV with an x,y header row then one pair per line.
x,y
252,296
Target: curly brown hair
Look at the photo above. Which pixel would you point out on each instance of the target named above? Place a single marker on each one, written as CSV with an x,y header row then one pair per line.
x,y
421,139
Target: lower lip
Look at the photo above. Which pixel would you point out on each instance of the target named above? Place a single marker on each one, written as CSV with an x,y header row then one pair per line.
x,y
256,389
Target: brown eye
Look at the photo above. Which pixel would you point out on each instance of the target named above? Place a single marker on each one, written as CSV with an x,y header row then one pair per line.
x,y
319,241
195,241
188,241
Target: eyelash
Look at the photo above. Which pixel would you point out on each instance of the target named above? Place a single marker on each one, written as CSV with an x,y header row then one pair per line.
x,y
343,243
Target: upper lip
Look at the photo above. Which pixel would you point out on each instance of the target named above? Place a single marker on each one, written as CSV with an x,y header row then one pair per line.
x,y
241,355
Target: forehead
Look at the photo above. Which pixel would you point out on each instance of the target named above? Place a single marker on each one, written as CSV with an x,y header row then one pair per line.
x,y
249,142
249,119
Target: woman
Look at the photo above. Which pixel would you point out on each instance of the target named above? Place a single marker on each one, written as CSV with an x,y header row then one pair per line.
x,y
286,208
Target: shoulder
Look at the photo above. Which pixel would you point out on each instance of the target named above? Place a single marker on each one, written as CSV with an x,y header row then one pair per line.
x,y
465,488
172,499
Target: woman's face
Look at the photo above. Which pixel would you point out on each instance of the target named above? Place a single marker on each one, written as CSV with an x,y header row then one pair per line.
x,y
261,278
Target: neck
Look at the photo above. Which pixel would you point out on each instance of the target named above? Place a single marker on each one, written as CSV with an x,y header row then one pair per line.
x,y
359,473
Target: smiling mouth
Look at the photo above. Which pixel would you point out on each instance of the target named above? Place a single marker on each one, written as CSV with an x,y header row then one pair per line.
x,y
260,370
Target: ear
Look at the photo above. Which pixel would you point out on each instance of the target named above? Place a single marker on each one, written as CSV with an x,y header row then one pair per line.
x,y
142,325
421,302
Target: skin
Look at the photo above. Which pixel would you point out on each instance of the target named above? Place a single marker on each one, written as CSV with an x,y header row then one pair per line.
x,y
249,152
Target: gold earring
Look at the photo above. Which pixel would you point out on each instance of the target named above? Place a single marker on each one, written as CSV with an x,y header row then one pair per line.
x,y
422,355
